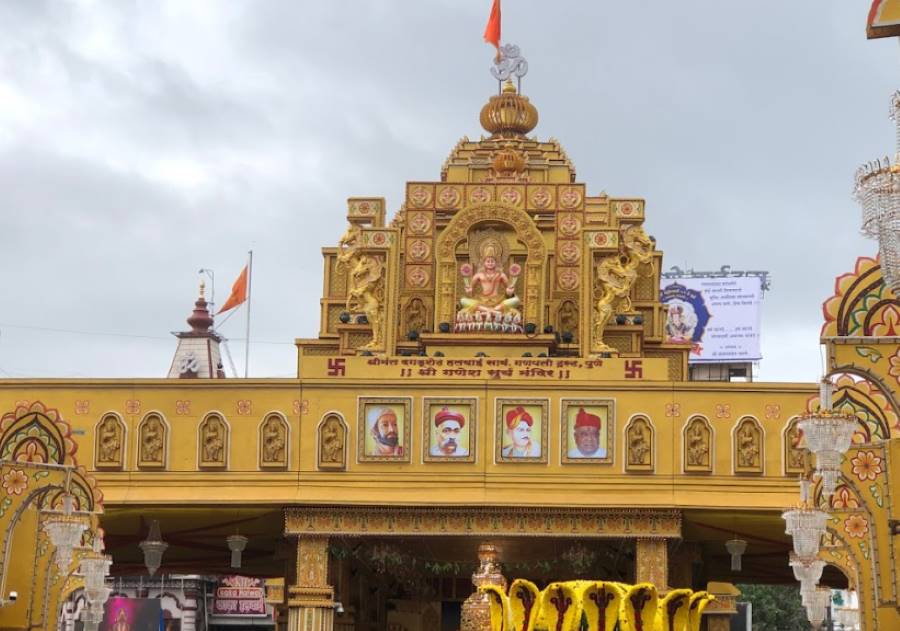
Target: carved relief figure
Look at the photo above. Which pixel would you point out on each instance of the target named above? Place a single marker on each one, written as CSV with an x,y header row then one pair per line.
x,y
212,441
152,440
274,441
697,448
638,443
109,441
366,295
331,443
347,246
416,315
748,445
795,456
490,303
568,318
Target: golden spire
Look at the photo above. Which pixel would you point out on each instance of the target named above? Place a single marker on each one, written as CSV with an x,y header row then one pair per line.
x,y
509,114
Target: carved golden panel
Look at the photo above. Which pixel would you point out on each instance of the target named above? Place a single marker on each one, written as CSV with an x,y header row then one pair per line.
x,y
481,194
419,195
362,207
109,450
512,196
418,250
639,445
274,442
418,276
449,197
568,278
628,209
541,197
749,447
419,223
212,442
622,342
569,225
569,252
153,442
571,197
794,452
332,434
602,240
698,445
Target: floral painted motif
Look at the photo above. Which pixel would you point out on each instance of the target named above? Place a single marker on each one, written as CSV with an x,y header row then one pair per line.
x,y
723,410
15,481
866,465
843,499
673,409
244,407
182,407
856,526
894,370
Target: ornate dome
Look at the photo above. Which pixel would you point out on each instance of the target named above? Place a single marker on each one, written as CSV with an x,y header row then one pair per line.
x,y
509,114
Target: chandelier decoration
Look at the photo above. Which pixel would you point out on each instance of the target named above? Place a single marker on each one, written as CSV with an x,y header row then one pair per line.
x,y
828,435
153,547
95,568
816,604
736,548
848,615
65,528
236,543
877,191
805,525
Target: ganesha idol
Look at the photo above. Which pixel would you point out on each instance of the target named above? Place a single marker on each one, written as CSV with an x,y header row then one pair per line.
x,y
490,302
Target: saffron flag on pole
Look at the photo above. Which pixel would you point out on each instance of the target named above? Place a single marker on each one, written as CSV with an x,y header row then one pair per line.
x,y
492,30
238,292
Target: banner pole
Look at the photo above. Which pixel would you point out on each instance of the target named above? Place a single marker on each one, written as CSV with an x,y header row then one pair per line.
x,y
247,338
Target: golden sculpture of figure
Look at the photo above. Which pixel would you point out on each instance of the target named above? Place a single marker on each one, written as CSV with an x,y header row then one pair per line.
x,y
416,315
490,303
152,441
273,441
638,444
638,246
347,246
121,622
795,453
697,447
109,441
332,442
213,441
568,318
748,450
614,281
366,295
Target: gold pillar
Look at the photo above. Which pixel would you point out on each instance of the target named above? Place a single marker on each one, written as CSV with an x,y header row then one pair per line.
x,y
311,598
652,562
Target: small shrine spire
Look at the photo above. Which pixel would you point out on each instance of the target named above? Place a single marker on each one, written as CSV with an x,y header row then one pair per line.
x,y
198,355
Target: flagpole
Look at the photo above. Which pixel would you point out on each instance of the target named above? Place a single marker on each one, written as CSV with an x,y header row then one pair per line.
x,y
247,339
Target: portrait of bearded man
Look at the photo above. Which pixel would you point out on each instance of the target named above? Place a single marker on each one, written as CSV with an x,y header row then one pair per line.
x,y
449,440
386,432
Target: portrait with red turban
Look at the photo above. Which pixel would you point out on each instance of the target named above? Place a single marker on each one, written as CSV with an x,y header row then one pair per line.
x,y
586,430
521,430
448,429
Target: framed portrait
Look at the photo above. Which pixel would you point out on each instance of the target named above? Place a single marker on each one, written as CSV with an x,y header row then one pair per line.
x,y
449,430
384,425
522,430
588,427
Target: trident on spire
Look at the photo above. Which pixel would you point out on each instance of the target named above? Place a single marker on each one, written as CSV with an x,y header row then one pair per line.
x,y
510,62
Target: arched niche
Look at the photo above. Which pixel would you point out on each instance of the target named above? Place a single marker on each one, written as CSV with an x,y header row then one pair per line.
x,y
213,442
458,229
793,451
698,440
274,441
640,446
332,445
153,442
748,446
109,442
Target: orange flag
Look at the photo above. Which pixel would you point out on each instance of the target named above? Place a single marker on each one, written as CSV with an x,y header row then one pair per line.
x,y
492,30
238,292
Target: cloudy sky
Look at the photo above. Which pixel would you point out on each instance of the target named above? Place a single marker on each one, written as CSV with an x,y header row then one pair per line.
x,y
141,141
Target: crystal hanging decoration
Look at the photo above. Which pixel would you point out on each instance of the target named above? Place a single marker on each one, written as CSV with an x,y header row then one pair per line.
x,y
877,191
805,524
153,547
736,548
64,528
236,543
828,435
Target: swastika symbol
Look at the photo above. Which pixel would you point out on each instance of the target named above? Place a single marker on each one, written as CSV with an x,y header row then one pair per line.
x,y
634,369
337,367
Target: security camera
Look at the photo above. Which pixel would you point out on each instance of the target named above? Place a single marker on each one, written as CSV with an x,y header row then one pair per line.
x,y
338,608
13,596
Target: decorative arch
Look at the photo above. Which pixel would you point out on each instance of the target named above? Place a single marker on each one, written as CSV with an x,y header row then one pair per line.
x,y
36,433
698,445
332,445
458,229
862,305
748,451
793,452
153,442
274,441
213,441
109,442
640,444
867,401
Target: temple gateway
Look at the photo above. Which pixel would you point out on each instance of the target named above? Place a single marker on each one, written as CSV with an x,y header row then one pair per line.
x,y
491,397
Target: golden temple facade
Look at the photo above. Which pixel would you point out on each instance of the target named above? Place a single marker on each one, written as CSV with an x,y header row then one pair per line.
x,y
491,370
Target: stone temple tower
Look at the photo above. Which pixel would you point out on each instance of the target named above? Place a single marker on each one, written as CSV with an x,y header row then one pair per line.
x,y
198,355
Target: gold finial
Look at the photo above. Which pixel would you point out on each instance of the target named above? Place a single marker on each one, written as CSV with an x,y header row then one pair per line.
x,y
509,114
509,87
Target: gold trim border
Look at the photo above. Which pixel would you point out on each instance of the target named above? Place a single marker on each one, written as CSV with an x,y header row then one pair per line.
x,y
597,523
